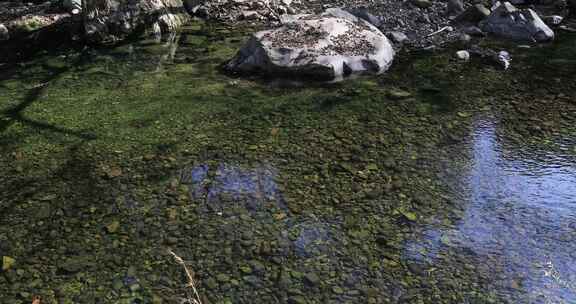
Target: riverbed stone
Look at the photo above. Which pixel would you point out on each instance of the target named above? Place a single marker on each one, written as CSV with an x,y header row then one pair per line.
x,y
312,279
75,264
398,94
517,24
329,46
297,300
397,37
463,55
473,31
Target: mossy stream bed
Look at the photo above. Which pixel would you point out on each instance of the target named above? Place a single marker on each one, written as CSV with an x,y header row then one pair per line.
x,y
438,182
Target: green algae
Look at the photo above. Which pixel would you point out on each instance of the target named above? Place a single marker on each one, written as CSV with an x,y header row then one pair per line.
x,y
101,136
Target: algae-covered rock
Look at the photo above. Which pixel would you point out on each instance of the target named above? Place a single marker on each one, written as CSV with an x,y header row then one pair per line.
x,y
115,20
7,262
113,226
75,264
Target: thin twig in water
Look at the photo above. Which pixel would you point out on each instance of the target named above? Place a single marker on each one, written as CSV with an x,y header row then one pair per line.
x,y
190,276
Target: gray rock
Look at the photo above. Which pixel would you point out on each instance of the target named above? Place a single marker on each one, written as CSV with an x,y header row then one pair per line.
x,y
464,38
114,20
329,46
297,300
473,14
312,279
4,34
454,7
509,22
473,31
397,37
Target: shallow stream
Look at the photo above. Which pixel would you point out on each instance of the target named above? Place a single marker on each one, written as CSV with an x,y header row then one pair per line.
x,y
438,182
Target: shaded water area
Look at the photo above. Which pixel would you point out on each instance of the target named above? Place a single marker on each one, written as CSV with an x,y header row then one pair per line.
x,y
459,190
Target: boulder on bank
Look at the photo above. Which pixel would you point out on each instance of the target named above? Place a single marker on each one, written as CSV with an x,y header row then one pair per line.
x,y
325,47
509,22
473,14
113,20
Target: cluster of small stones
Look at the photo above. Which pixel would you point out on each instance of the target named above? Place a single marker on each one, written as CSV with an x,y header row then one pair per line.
x,y
351,43
296,35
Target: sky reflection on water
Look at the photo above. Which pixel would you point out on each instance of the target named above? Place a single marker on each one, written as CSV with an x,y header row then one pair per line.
x,y
520,218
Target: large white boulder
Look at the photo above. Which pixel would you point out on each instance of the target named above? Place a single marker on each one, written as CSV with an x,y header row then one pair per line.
x,y
329,46
509,22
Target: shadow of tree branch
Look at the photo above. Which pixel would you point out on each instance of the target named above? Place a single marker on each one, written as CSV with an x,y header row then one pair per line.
x,y
16,113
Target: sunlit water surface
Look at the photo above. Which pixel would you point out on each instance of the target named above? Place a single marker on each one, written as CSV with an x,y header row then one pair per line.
x,y
519,218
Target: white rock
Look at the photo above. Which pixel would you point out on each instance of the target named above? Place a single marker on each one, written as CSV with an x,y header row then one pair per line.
x,y
553,20
463,55
504,59
329,46
509,22
397,37
4,34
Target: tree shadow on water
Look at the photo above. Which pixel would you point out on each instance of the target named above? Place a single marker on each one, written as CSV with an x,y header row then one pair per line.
x,y
77,174
16,113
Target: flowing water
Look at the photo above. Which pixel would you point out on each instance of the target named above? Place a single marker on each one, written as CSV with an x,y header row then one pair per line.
x,y
462,189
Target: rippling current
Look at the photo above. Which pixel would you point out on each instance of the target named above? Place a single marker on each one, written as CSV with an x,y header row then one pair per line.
x,y
519,218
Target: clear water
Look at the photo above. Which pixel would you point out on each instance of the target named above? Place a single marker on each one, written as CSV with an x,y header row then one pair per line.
x,y
278,191
519,217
